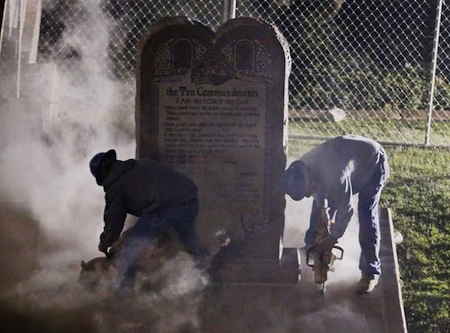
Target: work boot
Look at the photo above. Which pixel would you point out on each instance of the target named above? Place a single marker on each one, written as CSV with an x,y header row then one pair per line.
x,y
366,284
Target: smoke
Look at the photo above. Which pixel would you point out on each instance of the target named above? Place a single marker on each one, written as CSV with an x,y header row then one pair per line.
x,y
166,299
66,113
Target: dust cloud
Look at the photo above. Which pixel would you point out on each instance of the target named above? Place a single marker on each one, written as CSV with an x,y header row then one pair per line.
x,y
51,208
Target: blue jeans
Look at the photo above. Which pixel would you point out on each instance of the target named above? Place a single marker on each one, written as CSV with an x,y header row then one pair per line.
x,y
148,229
369,222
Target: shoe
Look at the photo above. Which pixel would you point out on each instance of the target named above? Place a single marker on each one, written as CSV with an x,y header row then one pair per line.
x,y
366,284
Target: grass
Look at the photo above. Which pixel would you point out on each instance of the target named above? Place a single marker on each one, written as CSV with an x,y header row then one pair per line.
x,y
385,130
418,193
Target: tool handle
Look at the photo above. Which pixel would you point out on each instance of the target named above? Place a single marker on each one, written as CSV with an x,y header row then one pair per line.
x,y
341,250
310,259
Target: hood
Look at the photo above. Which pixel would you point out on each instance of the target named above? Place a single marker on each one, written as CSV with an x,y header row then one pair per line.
x,y
118,169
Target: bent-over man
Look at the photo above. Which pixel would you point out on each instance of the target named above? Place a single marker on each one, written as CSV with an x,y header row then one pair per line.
x,y
335,171
159,196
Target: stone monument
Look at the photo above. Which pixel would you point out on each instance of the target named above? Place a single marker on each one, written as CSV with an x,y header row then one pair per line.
x,y
214,106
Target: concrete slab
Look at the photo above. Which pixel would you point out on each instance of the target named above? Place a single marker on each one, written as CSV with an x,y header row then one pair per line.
x,y
303,308
18,243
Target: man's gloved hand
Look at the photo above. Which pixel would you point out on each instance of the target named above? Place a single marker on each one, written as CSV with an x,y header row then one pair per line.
x,y
326,245
102,247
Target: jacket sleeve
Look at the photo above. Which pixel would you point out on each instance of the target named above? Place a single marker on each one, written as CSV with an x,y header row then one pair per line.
x,y
341,199
114,217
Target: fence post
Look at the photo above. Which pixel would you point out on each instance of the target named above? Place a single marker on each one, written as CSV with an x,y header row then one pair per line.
x,y
21,18
229,10
433,71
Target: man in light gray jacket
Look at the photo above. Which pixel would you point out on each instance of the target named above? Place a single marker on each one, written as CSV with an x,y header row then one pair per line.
x,y
335,171
161,197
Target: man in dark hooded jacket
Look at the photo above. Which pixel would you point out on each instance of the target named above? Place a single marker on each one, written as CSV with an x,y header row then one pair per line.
x,y
335,171
159,196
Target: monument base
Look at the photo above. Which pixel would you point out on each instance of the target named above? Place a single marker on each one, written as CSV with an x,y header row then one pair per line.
x,y
285,270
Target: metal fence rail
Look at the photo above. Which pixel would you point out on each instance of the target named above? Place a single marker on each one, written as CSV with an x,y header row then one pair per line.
x,y
377,68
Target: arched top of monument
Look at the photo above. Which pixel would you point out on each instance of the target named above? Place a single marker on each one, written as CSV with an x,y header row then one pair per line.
x,y
172,22
245,24
173,26
169,30
249,27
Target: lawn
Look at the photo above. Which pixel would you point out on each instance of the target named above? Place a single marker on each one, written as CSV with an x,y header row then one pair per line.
x,y
407,131
418,193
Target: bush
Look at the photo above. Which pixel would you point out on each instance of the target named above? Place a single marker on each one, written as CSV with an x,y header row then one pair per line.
x,y
442,94
355,84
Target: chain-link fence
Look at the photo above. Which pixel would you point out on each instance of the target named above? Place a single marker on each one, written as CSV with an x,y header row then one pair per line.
x,y
358,66
363,67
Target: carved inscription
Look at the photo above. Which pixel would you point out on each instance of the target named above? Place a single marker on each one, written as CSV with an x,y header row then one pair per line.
x,y
217,134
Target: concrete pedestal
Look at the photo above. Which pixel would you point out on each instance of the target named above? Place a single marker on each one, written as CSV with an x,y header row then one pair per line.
x,y
254,306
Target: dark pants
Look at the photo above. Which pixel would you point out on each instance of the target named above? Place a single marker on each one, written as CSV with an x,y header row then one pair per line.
x,y
148,229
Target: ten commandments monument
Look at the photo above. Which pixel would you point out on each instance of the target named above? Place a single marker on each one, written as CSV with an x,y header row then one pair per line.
x,y
214,106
